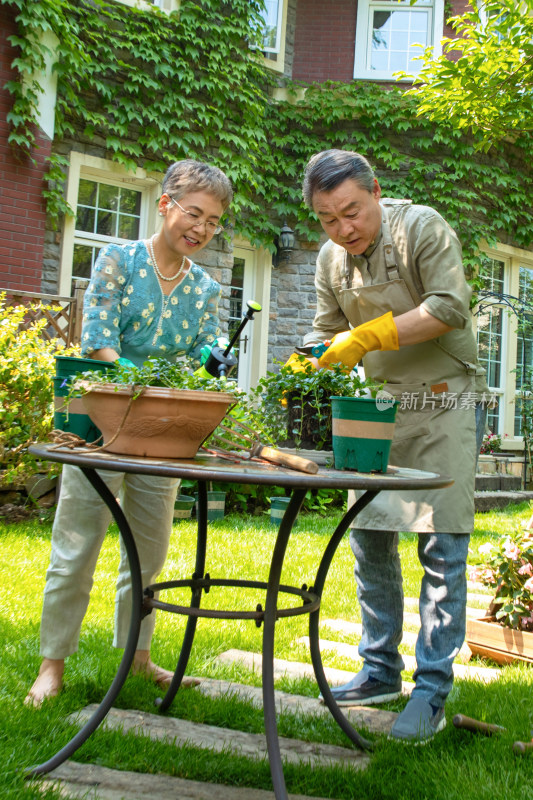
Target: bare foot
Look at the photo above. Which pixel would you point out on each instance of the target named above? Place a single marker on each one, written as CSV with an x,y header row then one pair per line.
x,y
48,682
143,665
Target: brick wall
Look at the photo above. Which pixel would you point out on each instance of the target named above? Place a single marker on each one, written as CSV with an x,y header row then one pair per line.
x,y
324,40
22,212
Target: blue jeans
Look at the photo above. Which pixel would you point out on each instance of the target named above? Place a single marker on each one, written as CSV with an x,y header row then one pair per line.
x,y
442,607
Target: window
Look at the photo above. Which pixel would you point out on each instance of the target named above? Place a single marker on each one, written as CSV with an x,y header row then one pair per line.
x,y
104,213
275,19
273,16
387,31
111,205
505,335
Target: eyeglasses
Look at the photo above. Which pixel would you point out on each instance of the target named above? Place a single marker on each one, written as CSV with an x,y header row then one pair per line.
x,y
195,219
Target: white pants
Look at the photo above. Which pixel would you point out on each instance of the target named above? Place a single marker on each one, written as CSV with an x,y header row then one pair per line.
x,y
80,524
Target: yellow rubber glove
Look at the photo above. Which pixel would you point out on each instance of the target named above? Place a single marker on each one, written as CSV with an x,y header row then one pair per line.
x,y
298,363
349,347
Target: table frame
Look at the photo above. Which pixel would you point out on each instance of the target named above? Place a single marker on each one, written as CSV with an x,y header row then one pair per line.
x,y
205,469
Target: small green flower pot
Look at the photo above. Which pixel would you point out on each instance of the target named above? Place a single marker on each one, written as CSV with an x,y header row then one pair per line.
x,y
183,506
216,505
72,417
363,428
277,509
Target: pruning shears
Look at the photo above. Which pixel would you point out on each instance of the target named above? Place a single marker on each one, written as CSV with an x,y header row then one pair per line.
x,y
315,350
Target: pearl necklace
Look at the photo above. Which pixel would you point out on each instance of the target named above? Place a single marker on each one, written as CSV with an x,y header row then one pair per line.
x,y
154,262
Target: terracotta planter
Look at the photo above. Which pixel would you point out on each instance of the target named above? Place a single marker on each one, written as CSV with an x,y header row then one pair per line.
x,y
486,637
160,423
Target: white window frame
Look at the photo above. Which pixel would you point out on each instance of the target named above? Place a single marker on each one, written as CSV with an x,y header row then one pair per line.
x,y
279,48
363,33
103,171
513,258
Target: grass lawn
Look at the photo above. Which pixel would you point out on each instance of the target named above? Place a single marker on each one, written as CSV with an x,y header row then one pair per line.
x,y
455,765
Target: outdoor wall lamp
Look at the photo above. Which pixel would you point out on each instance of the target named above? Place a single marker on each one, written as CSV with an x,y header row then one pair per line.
x,y
284,244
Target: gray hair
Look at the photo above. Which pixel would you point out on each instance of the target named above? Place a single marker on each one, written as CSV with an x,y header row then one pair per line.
x,y
188,175
328,169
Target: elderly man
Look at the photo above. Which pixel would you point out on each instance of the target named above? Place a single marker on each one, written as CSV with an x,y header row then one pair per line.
x,y
391,291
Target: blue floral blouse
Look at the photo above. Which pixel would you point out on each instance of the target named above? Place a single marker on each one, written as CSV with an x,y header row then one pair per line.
x,y
125,308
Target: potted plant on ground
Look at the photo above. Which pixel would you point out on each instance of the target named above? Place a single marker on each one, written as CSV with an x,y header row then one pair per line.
x,y
160,409
505,634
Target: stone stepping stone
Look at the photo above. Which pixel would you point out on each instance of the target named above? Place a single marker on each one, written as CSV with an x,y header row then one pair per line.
x,y
372,718
292,669
485,674
217,740
86,781
356,629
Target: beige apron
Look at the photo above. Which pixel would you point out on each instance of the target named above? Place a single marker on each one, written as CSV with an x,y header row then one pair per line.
x,y
435,426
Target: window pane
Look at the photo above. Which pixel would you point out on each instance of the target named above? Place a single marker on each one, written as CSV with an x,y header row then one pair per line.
x,y
83,260
85,219
130,202
524,343
235,300
106,223
395,32
270,16
87,193
108,196
128,227
490,328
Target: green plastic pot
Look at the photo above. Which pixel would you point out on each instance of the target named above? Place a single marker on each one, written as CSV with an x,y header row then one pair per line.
x,y
363,428
278,506
72,417
183,506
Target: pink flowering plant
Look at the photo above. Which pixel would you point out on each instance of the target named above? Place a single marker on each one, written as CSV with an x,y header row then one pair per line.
x,y
508,567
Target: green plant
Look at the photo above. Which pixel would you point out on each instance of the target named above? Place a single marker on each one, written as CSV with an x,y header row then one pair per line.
x,y
508,567
295,407
153,372
26,390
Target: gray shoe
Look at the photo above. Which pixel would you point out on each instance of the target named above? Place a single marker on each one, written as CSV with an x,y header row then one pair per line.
x,y
418,722
364,690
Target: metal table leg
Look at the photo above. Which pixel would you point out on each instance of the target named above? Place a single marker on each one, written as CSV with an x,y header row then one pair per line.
x,y
314,617
201,545
269,703
133,636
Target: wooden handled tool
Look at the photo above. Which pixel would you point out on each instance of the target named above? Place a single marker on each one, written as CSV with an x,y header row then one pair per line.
x,y
476,726
245,443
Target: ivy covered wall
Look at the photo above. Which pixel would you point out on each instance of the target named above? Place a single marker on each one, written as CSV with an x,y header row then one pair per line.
x,y
144,88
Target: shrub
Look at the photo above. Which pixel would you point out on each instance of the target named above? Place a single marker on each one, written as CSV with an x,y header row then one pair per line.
x,y
26,391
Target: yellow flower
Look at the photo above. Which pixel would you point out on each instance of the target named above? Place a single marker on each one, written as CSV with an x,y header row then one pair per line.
x,y
121,279
108,269
129,290
136,326
167,314
145,312
184,324
186,289
198,290
110,285
151,306
103,314
115,322
142,273
174,300
199,303
188,340
94,302
106,332
125,301
177,338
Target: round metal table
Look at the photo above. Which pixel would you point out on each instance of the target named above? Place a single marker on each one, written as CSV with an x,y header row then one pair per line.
x,y
204,469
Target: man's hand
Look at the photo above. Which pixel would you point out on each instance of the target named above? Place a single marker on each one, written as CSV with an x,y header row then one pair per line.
x,y
349,347
298,363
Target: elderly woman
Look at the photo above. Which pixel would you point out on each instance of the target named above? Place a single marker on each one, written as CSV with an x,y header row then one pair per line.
x,y
146,299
